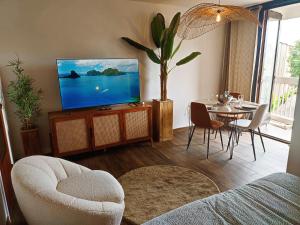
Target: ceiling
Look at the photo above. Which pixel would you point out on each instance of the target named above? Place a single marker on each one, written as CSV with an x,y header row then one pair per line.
x,y
289,11
190,3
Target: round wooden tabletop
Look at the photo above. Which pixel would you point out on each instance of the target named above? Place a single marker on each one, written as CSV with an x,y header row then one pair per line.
x,y
232,108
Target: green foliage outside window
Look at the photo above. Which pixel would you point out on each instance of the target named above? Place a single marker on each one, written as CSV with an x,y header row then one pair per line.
x,y
294,60
280,100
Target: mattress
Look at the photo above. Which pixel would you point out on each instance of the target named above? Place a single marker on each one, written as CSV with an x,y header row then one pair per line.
x,y
274,199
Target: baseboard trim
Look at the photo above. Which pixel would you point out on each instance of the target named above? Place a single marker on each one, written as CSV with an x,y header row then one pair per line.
x,y
180,128
273,138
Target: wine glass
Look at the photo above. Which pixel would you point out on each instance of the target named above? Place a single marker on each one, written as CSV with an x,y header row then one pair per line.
x,y
240,99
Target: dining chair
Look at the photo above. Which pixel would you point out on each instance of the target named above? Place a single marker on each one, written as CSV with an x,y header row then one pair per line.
x,y
201,119
245,125
235,94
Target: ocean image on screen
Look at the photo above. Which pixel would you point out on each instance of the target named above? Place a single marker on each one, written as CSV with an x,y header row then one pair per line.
x,y
98,82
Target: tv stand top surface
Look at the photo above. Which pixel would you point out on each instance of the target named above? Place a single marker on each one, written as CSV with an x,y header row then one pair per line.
x,y
98,110
103,108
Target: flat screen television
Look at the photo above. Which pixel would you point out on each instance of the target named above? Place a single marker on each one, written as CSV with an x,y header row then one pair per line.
x,y
98,82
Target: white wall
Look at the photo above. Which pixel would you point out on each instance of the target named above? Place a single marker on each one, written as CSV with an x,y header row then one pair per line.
x,y
294,155
41,31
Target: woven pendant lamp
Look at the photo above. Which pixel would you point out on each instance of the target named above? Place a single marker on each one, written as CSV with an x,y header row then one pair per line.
x,y
205,17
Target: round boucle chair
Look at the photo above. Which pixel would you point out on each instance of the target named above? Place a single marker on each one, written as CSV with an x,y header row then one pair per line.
x,y
53,191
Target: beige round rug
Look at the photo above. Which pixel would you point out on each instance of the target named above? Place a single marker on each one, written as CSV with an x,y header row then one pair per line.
x,y
154,190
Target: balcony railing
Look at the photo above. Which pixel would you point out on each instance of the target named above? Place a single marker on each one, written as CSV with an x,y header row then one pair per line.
x,y
284,99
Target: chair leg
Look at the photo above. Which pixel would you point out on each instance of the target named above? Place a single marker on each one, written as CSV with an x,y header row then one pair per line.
x,y
204,136
189,131
208,143
230,136
190,137
216,134
262,141
238,138
252,140
221,138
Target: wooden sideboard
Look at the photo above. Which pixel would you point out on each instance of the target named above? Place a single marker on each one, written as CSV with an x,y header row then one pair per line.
x,y
78,131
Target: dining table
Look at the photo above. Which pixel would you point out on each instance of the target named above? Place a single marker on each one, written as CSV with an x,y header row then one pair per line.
x,y
232,110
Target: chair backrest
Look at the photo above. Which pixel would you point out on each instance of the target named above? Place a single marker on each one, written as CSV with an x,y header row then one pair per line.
x,y
235,94
259,116
199,115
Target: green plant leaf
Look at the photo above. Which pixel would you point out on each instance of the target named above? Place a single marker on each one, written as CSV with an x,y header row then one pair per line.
x,y
168,45
176,49
151,54
135,44
157,28
163,37
187,59
169,36
174,24
22,93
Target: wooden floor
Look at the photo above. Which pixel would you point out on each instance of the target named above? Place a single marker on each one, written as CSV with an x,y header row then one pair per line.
x,y
226,173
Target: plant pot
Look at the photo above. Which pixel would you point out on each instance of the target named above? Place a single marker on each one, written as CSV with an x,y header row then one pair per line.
x,y
31,141
162,120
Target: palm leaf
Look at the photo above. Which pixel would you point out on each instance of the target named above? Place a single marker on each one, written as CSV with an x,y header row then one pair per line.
x,y
168,45
175,24
188,58
151,54
157,28
176,49
170,36
135,44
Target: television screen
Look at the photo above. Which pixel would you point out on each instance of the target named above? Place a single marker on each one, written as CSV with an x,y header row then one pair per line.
x,y
98,82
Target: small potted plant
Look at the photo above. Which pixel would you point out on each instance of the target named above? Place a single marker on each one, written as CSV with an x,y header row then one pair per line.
x,y
27,100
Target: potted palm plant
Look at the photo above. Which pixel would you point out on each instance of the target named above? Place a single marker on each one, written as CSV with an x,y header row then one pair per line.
x,y
27,100
163,38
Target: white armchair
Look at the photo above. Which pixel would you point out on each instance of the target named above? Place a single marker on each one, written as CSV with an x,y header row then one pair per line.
x,y
53,191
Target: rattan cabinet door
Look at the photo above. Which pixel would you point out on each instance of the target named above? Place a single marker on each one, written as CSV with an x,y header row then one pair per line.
x,y
137,124
72,135
106,130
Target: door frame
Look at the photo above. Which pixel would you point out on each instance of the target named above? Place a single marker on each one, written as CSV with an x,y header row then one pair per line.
x,y
265,7
278,16
5,171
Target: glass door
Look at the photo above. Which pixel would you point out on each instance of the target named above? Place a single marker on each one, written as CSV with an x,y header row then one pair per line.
x,y
279,82
270,55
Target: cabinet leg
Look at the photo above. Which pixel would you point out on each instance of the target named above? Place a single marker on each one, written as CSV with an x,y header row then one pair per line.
x,y
151,142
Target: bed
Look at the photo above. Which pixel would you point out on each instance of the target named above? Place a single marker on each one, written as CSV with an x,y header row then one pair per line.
x,y
274,199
